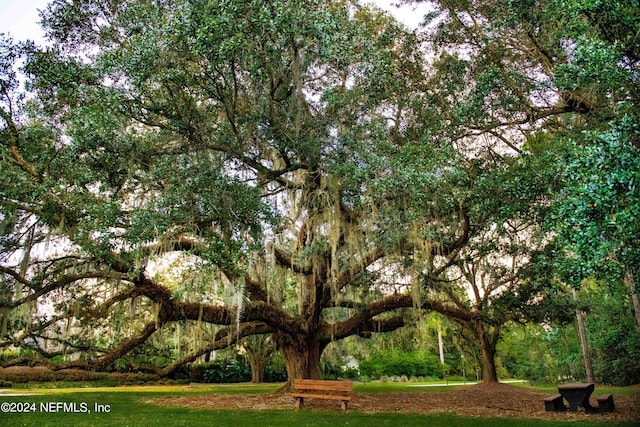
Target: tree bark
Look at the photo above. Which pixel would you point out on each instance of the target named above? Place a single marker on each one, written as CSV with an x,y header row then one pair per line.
x,y
301,356
440,343
629,280
487,342
258,348
257,368
583,341
489,372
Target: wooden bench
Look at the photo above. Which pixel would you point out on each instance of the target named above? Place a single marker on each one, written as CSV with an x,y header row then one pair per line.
x,y
554,403
605,403
322,389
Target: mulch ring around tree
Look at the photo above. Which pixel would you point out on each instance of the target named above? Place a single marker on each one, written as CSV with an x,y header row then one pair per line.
x,y
482,400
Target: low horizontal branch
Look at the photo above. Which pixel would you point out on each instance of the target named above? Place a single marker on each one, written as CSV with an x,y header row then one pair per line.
x,y
222,340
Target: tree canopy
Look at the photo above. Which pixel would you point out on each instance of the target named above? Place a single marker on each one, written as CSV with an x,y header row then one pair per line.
x,y
312,170
219,132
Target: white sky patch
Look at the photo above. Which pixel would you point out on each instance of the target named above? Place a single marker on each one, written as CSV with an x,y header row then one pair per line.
x,y
412,16
20,19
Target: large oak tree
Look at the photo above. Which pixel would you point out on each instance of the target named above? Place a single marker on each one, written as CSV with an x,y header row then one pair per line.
x,y
246,145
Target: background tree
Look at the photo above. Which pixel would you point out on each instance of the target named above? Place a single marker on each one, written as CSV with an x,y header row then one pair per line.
x,y
596,213
610,327
258,348
517,80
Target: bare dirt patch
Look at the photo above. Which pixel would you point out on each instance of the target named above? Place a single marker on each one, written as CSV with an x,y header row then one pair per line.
x,y
486,400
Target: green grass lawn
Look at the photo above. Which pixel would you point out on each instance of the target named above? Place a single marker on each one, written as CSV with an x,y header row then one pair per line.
x,y
129,406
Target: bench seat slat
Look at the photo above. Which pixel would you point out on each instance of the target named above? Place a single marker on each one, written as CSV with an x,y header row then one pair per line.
x,y
343,386
323,387
322,392
322,396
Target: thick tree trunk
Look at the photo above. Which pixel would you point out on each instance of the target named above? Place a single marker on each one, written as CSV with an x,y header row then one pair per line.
x,y
488,347
489,372
302,357
257,368
258,348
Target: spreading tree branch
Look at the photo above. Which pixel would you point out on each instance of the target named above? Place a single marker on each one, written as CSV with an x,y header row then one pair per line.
x,y
223,339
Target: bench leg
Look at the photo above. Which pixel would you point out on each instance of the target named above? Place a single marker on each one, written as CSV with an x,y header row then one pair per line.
x,y
299,402
344,405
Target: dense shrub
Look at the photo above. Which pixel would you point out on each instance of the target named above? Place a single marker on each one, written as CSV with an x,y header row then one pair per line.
x,y
412,364
616,357
11,354
275,370
236,369
613,337
17,375
227,370
23,374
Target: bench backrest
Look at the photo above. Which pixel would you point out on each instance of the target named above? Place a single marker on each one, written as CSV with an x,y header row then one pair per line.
x,y
302,385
